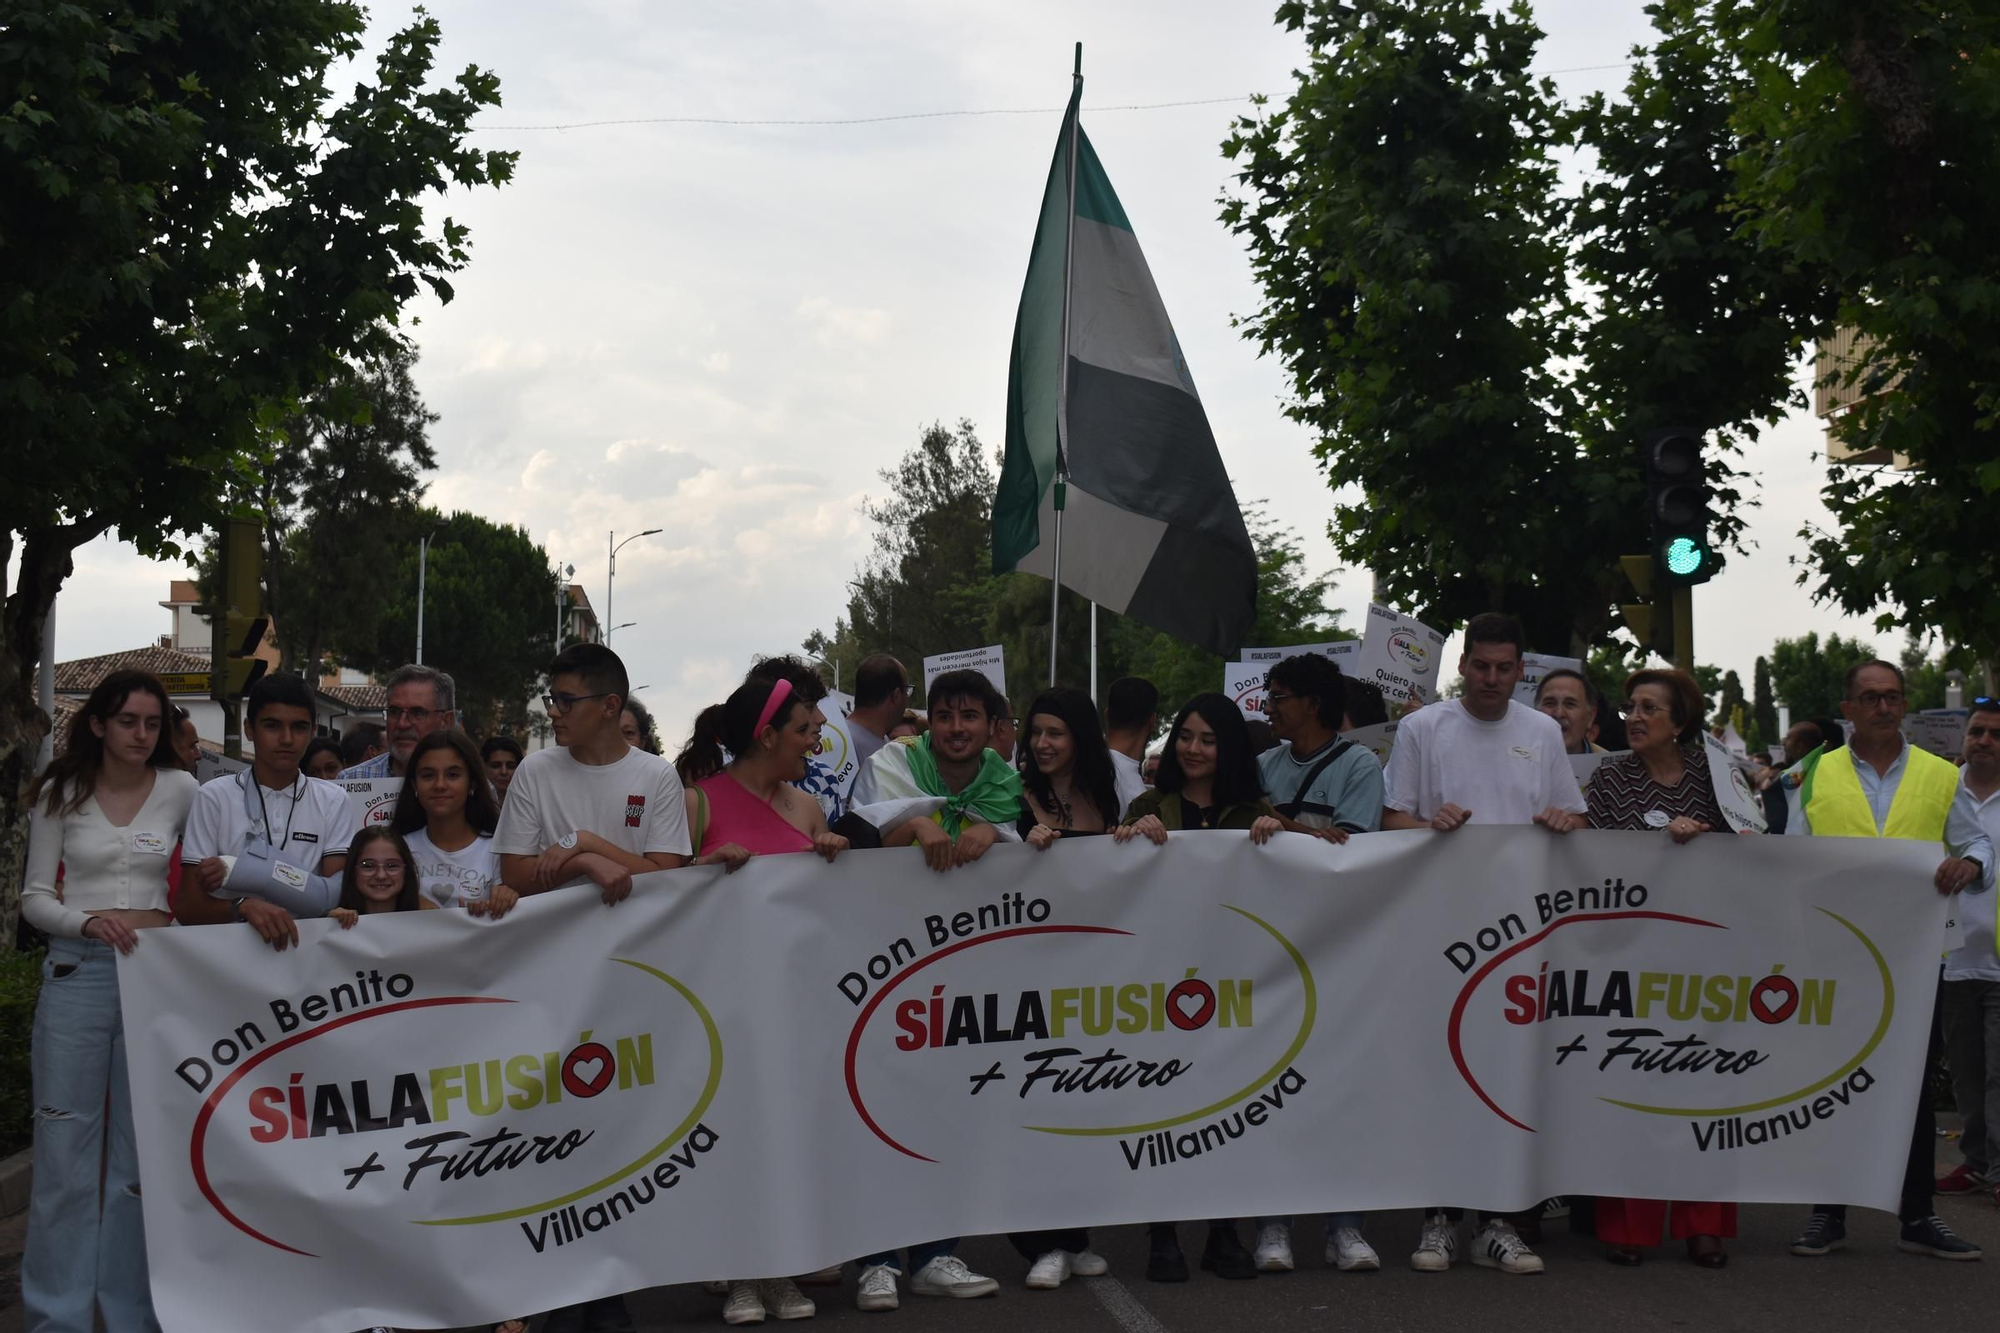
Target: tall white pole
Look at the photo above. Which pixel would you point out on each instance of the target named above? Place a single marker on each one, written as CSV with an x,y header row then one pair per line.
x,y
423,558
610,576
1062,381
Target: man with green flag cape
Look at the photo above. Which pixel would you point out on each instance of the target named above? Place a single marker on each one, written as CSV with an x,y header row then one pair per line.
x,y
945,790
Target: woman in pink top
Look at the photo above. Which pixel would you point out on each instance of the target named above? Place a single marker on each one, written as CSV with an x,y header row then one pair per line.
x,y
750,808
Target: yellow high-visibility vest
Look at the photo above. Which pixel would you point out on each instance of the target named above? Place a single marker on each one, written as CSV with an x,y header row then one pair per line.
x,y
1837,807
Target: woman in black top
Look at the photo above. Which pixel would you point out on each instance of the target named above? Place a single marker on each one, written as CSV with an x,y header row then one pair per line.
x,y
1069,786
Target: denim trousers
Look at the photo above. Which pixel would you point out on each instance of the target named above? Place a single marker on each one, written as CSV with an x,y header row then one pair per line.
x,y
1972,1044
81,1254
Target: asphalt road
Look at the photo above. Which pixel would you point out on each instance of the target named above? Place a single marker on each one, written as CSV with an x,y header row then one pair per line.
x,y
1870,1285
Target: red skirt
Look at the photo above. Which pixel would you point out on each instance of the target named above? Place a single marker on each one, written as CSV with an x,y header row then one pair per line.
x,y
1630,1223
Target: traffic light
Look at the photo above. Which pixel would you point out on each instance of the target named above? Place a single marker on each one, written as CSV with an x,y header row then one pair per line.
x,y
1677,499
238,624
1650,619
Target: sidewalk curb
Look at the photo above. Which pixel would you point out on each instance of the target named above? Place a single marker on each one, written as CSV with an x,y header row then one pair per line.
x,y
17,1175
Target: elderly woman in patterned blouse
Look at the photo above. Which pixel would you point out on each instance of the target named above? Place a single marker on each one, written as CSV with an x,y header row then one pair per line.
x,y
1662,784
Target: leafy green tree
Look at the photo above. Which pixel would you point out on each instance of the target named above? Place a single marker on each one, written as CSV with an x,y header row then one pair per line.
x,y
1475,350
1810,677
487,592
338,499
199,235
1868,155
1764,731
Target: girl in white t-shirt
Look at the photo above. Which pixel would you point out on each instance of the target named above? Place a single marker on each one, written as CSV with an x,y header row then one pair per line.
x,y
447,813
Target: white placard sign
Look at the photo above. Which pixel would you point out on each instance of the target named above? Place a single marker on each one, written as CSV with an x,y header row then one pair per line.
x,y
838,703
433,1121
1939,730
1378,739
990,662
1586,764
1338,650
1400,654
1739,803
1536,665
373,799
1244,682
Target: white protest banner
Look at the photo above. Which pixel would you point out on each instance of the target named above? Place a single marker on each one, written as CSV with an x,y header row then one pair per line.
x,y
990,661
1939,730
1244,682
1401,655
372,799
1378,739
431,1121
1739,803
1536,665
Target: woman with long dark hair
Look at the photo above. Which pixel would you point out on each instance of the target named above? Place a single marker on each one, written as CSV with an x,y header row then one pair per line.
x,y
108,812
1066,774
1207,780
447,812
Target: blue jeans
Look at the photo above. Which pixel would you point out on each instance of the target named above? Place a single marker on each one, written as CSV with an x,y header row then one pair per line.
x,y
80,1255
1332,1220
919,1256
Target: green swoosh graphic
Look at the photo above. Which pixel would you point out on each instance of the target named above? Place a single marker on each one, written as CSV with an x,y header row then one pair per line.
x,y
1874,1040
693,1118
1268,1076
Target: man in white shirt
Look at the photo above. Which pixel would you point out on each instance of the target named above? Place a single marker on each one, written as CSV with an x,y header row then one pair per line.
x,y
1971,988
881,694
1483,758
303,822
591,806
1131,716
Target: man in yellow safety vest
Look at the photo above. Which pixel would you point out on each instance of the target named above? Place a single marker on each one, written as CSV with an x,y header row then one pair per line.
x,y
1880,786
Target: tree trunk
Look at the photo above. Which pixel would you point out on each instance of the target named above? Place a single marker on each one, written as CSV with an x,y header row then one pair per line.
x,y
45,563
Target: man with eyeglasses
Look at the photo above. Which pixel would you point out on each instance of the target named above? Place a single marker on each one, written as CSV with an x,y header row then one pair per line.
x,y
421,700
1880,786
1970,992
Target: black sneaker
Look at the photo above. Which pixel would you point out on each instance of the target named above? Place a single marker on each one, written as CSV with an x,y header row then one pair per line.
x,y
1225,1256
1824,1234
1165,1262
1929,1235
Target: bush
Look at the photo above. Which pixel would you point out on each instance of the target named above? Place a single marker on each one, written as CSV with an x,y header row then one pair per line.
x,y
20,981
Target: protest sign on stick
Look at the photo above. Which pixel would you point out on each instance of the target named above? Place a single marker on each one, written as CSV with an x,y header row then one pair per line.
x,y
990,662
1401,655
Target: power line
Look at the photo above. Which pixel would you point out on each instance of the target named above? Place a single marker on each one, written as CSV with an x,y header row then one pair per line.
x,y
916,115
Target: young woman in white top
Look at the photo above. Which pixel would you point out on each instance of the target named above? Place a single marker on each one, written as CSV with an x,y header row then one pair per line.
x,y
447,813
108,813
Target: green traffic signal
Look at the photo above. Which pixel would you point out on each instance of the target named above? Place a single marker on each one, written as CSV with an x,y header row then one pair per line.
x,y
1684,556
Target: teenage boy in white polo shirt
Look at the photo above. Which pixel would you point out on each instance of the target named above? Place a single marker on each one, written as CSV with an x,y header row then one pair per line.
x,y
286,834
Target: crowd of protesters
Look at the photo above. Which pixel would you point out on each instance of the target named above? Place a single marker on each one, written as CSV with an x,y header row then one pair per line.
x,y
123,841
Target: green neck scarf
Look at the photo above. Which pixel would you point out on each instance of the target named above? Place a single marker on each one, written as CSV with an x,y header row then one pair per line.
x,y
994,793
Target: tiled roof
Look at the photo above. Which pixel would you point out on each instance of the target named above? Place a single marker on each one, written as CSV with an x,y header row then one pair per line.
x,y
362,698
82,675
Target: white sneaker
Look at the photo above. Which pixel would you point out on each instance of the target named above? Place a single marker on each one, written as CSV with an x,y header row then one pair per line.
x,y
1350,1253
1437,1248
1499,1246
877,1288
1050,1271
744,1306
947,1275
783,1299
1274,1248
1088,1263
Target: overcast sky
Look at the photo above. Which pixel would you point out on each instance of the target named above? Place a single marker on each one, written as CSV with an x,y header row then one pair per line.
x,y
724,331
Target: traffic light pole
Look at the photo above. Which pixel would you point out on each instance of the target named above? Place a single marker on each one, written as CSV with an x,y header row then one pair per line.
x,y
1684,629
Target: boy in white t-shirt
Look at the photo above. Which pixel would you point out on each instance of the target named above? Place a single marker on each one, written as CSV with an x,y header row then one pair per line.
x,y
595,808
1482,758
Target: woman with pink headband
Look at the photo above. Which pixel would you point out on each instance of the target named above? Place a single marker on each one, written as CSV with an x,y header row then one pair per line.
x,y
751,808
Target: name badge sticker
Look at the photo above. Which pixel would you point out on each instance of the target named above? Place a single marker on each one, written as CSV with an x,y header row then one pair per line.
x,y
288,874
148,844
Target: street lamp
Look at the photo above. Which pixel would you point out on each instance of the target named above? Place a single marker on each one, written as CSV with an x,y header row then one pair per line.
x,y
611,568
824,660
615,628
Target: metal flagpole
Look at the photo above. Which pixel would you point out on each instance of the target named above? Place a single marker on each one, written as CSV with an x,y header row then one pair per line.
x,y
1062,393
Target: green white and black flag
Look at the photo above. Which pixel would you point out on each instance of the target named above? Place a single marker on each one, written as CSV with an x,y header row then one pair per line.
x,y
1150,526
